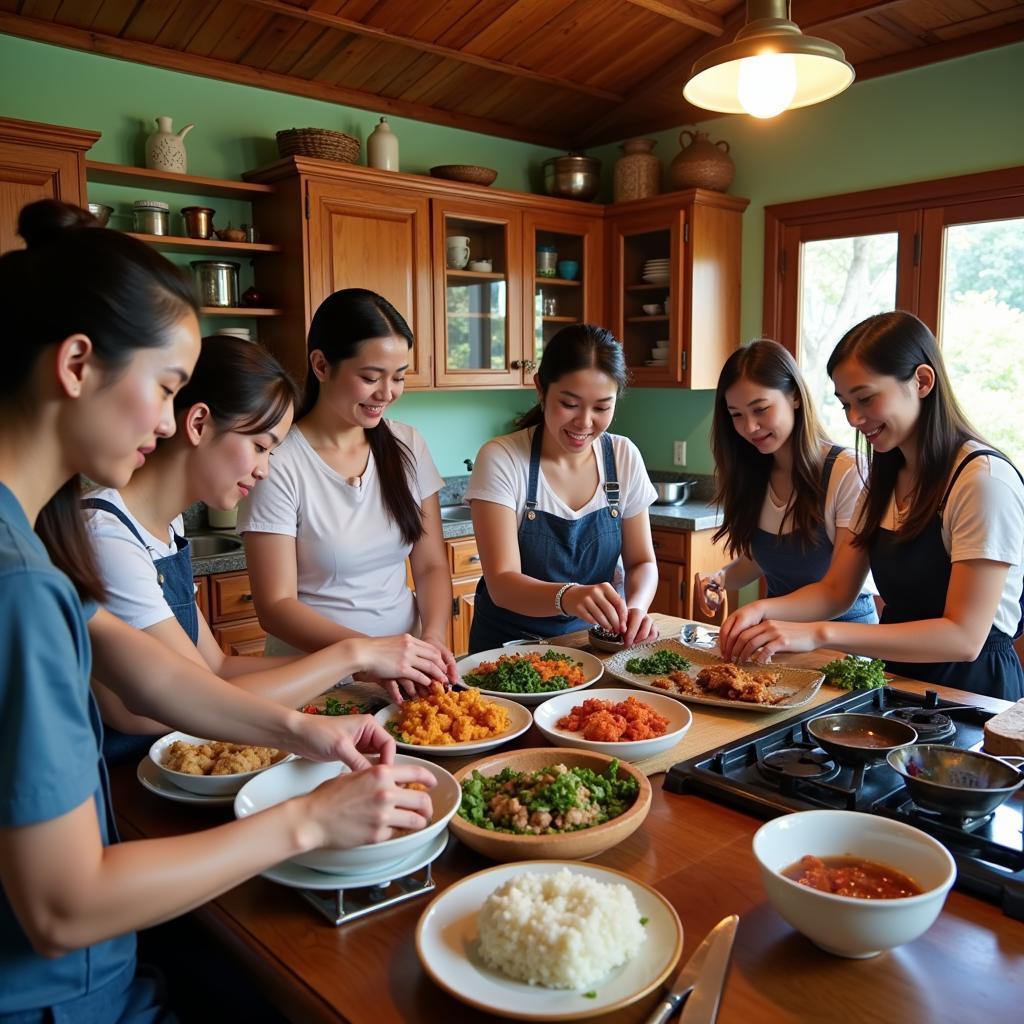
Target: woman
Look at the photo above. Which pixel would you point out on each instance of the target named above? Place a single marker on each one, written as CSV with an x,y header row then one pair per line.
x,y
941,525
352,497
232,413
786,491
86,390
560,507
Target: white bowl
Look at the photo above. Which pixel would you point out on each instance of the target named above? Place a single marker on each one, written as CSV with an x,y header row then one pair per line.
x,y
652,308
206,785
298,777
679,718
845,925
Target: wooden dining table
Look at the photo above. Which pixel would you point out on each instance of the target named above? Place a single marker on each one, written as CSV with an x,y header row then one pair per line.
x,y
968,967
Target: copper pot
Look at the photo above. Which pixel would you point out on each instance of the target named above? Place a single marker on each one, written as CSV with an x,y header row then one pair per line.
x,y
198,221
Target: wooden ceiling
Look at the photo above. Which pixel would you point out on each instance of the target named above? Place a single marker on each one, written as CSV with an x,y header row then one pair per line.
x,y
557,72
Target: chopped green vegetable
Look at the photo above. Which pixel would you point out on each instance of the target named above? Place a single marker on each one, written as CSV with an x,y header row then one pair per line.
x,y
514,674
854,673
333,706
644,920
590,995
658,663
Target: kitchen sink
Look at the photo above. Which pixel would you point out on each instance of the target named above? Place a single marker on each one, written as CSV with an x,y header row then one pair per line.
x,y
455,514
205,545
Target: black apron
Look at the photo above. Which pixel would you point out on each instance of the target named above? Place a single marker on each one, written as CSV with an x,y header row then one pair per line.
x,y
913,577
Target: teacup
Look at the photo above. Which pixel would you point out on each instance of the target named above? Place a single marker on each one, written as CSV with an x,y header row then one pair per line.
x,y
568,269
458,251
481,265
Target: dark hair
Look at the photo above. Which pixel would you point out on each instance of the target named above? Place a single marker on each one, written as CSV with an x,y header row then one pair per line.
x,y
246,388
895,345
342,323
742,473
577,347
75,277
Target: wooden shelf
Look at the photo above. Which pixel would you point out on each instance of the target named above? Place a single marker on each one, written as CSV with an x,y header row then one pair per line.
x,y
475,316
475,275
560,319
177,243
660,318
562,282
648,287
186,184
238,311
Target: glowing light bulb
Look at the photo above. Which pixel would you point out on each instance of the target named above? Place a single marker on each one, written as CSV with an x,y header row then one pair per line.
x,y
767,83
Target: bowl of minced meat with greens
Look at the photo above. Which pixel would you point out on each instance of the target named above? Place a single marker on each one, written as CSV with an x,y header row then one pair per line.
x,y
530,673
548,803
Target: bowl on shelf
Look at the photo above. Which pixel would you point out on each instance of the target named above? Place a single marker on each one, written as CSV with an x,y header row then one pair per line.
x,y
572,176
481,265
472,174
101,213
652,308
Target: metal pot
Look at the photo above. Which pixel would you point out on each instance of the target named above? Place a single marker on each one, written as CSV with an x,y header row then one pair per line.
x,y
217,282
859,739
573,176
962,783
151,217
101,213
674,493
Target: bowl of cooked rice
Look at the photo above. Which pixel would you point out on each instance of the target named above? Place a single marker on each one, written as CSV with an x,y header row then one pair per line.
x,y
210,767
547,803
530,673
620,723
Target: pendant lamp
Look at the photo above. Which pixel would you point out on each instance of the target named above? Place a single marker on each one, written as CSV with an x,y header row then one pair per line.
x,y
769,67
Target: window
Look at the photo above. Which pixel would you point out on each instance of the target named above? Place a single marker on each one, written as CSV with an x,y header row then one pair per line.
x,y
949,251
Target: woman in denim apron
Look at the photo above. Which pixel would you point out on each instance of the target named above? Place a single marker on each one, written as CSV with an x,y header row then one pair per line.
x,y
774,466
942,528
560,508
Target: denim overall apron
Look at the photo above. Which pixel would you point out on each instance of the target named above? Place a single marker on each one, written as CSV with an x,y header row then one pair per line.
x,y
584,550
174,574
913,578
789,564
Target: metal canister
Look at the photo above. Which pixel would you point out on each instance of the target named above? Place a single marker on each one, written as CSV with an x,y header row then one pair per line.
x,y
216,282
547,261
151,217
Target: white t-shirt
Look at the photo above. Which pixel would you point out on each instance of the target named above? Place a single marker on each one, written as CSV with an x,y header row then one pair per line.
x,y
126,567
984,518
350,555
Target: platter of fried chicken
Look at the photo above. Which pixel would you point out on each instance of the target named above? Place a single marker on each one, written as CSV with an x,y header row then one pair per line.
x,y
701,677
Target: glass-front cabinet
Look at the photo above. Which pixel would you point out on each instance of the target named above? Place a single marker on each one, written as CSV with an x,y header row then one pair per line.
x,y
477,295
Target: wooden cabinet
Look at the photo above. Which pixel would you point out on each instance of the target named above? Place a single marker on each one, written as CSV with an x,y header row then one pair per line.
x,y
38,161
464,562
680,554
679,252
232,614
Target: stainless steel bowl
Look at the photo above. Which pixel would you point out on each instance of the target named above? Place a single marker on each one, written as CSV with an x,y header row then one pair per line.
x,y
101,213
674,493
572,176
859,739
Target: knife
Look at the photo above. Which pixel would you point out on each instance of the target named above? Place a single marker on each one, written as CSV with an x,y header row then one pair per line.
x,y
701,979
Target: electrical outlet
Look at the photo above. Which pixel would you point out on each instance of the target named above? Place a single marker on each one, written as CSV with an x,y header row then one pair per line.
x,y
678,453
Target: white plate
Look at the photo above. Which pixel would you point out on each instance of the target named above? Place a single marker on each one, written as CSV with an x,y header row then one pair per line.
x,y
655,362
678,715
446,942
298,877
593,669
520,720
149,775
796,686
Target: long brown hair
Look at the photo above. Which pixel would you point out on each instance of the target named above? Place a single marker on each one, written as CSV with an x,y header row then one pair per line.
x,y
75,277
895,345
742,473
343,322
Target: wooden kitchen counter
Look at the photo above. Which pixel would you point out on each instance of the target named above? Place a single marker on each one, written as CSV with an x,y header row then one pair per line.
x,y
968,966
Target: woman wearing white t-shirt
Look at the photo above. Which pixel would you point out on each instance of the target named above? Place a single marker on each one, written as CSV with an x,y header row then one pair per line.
x,y
351,497
560,507
787,493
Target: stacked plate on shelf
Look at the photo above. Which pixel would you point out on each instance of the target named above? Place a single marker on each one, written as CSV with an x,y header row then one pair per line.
x,y
656,271
659,354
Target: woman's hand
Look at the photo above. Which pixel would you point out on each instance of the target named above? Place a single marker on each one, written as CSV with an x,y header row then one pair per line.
x,y
740,620
446,656
640,628
345,738
404,665
759,642
600,604
711,592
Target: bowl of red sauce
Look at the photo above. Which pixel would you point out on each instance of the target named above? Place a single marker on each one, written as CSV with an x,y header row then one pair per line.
x,y
853,883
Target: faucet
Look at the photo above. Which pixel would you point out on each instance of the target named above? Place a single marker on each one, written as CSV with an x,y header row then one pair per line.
x,y
468,463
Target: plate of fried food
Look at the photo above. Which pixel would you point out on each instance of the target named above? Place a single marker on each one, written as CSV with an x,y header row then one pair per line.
x,y
699,677
454,722
530,673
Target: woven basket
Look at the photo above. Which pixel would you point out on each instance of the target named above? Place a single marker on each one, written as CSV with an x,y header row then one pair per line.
x,y
318,142
471,173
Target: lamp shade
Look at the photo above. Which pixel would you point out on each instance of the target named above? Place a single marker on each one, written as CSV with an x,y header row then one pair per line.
x,y
770,66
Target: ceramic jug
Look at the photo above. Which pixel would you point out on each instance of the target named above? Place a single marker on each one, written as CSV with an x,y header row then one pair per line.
x,y
382,147
702,163
637,171
457,247
165,148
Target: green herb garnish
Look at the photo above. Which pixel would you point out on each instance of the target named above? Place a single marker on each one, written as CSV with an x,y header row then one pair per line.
x,y
658,663
644,920
590,995
519,676
855,673
333,706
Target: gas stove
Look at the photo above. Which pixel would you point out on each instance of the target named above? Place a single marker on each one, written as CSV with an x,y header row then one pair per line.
x,y
781,769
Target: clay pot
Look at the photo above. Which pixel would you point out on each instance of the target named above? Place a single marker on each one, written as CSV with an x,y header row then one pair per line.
x,y
637,171
702,163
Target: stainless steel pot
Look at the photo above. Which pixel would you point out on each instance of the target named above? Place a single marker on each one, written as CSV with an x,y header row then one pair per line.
x,y
101,213
216,281
573,176
151,217
674,493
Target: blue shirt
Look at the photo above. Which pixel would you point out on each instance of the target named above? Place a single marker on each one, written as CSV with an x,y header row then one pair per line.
x,y
50,738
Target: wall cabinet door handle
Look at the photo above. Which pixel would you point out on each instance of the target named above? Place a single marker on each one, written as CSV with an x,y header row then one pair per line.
x,y
246,597
474,558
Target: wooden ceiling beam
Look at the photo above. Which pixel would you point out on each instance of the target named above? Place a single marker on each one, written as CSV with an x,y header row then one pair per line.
x,y
340,24
208,67
814,14
685,12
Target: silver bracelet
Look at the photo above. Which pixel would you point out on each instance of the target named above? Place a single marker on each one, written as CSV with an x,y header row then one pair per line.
x,y
558,597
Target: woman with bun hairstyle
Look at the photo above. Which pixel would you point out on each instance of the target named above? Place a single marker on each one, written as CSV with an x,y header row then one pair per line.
x,y
941,526
234,411
352,496
560,507
102,333
787,492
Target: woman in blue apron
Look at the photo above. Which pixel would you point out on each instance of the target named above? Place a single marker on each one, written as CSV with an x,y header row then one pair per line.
x,y
787,493
560,508
85,392
233,411
941,527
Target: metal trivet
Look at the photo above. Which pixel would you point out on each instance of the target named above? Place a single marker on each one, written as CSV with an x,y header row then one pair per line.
x,y
340,906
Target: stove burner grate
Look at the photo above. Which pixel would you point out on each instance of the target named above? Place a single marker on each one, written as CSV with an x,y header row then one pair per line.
x,y
799,762
931,726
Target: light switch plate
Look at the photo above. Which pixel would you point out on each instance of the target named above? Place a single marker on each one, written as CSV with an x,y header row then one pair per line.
x,y
678,453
